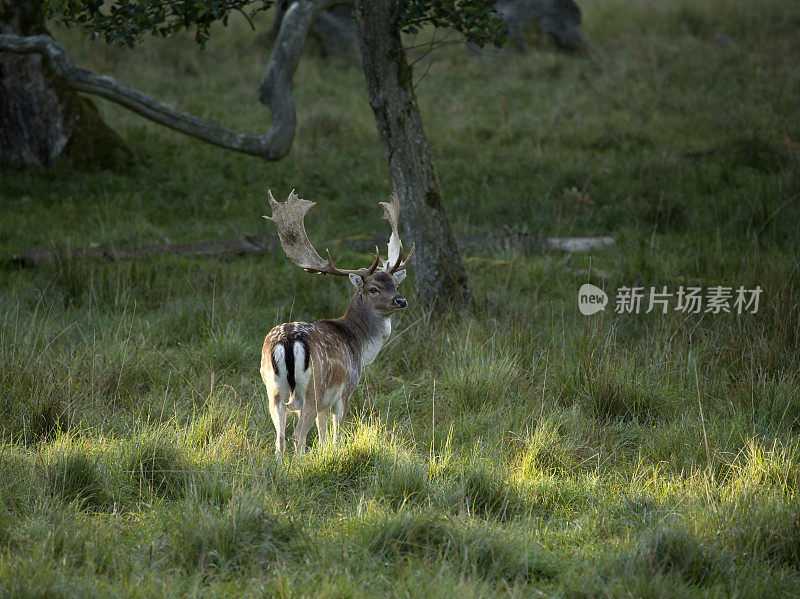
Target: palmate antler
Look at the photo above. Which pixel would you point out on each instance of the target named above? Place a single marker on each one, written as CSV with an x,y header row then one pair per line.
x,y
391,214
288,218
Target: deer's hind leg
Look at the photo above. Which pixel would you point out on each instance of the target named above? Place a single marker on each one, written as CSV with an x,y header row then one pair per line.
x,y
305,396
307,417
276,398
338,411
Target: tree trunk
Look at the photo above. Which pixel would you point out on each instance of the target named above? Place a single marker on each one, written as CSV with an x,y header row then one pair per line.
x,y
439,276
41,119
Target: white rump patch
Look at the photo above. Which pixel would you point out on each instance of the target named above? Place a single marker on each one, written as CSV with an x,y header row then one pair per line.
x,y
301,375
279,360
279,382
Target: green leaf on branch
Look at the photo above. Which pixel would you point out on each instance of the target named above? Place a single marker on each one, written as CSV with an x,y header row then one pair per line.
x,y
476,20
126,22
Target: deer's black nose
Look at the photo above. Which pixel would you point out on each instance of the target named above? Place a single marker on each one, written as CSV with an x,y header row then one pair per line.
x,y
400,301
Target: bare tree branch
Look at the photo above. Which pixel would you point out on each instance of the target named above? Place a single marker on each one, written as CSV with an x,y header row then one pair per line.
x,y
275,90
276,84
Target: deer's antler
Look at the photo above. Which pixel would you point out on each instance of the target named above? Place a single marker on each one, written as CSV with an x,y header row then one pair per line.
x,y
391,214
288,218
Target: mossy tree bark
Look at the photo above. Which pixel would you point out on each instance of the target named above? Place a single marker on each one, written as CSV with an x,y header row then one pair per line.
x,y
41,119
439,276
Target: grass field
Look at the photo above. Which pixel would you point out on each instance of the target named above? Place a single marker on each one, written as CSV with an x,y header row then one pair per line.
x,y
518,448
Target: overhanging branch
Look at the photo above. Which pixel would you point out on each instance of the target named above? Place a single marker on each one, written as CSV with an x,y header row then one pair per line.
x,y
275,90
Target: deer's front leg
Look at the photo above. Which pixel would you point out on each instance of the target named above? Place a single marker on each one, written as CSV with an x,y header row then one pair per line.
x,y
322,427
338,410
336,420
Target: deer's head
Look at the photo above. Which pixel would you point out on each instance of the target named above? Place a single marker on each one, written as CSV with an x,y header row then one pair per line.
x,y
379,290
377,286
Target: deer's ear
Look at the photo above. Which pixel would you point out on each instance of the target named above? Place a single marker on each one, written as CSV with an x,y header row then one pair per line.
x,y
399,276
356,280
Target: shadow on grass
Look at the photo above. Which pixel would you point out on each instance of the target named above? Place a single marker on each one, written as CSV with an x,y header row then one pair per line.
x,y
75,476
243,535
475,549
155,465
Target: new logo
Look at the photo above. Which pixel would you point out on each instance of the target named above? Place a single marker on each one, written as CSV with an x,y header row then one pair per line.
x,y
591,299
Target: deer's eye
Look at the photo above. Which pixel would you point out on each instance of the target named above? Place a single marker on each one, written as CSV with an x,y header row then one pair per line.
x,y
373,290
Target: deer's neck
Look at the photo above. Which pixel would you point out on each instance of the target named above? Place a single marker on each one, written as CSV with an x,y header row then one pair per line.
x,y
370,328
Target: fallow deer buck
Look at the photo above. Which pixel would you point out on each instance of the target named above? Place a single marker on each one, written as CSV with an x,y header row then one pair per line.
x,y
313,367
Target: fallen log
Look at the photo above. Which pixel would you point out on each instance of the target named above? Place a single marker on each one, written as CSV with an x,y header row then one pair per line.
x,y
256,245
44,255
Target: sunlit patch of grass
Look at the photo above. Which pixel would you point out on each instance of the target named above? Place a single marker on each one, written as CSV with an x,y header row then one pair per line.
x,y
219,431
550,449
758,467
349,466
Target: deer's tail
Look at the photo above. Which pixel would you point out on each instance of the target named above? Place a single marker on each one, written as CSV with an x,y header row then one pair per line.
x,y
290,361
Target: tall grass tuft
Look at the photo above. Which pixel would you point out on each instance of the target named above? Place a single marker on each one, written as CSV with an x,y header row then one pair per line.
x,y
73,475
610,386
549,449
349,467
472,549
672,549
476,488
410,533
771,404
155,466
764,468
244,535
479,376
403,481
33,400
764,528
